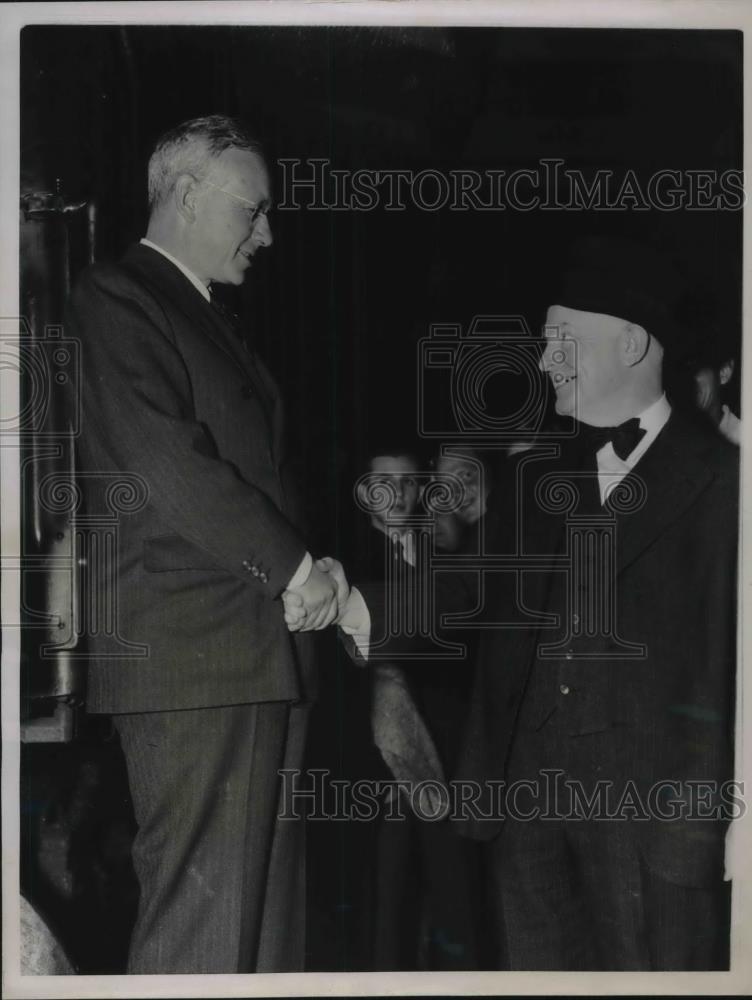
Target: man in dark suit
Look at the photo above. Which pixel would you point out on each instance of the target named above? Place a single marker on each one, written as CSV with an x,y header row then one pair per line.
x,y
610,716
217,705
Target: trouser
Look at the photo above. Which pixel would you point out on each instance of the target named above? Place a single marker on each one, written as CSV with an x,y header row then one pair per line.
x,y
222,880
576,893
578,896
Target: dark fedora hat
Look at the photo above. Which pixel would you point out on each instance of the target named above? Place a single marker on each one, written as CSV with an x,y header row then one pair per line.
x,y
627,279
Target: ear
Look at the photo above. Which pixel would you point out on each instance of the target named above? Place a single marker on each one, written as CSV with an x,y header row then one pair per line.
x,y
635,343
185,194
726,371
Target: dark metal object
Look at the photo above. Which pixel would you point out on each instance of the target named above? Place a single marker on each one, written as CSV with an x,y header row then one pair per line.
x,y
57,239
45,204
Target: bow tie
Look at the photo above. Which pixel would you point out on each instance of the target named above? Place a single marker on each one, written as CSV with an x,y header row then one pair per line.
x,y
624,438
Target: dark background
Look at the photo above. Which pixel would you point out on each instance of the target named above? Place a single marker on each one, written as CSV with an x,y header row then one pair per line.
x,y
338,304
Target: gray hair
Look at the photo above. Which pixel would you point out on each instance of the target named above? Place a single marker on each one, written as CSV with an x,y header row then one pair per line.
x,y
189,148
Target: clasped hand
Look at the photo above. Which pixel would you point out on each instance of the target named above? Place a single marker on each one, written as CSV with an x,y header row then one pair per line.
x,y
320,600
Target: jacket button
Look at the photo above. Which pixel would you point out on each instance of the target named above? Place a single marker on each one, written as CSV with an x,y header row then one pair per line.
x,y
246,392
263,577
564,688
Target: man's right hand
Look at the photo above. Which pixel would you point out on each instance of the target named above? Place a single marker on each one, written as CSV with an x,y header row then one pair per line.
x,y
318,598
335,568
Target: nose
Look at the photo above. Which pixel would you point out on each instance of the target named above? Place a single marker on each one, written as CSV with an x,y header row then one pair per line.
x,y
553,355
262,232
546,355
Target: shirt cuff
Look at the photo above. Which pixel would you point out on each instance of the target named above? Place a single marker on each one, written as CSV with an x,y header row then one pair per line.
x,y
301,573
356,621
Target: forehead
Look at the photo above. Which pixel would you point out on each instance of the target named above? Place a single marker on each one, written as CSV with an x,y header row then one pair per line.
x,y
393,465
564,316
242,172
575,322
707,375
456,463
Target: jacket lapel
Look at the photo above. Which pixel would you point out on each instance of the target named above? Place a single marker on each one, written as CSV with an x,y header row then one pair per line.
x,y
540,531
167,280
221,332
262,375
672,475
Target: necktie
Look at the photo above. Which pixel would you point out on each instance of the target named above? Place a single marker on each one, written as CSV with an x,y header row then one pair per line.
x,y
231,319
623,438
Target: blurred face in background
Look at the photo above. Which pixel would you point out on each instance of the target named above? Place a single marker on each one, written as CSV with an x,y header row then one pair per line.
x,y
708,384
398,474
470,473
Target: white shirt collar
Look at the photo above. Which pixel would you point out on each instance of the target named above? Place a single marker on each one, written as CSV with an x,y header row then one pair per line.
x,y
611,468
652,421
656,415
406,538
196,282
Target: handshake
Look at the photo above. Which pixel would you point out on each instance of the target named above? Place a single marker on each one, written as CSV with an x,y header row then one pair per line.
x,y
320,601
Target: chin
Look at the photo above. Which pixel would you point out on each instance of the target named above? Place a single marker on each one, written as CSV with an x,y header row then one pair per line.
x,y
565,407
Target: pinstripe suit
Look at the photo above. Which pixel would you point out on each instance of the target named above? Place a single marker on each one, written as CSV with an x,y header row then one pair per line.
x,y
218,704
645,892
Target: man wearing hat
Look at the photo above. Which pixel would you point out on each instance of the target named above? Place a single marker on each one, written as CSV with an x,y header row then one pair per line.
x,y
630,694
600,736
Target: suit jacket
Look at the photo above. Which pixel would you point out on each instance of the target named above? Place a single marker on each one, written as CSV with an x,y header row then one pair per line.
x,y
171,398
669,714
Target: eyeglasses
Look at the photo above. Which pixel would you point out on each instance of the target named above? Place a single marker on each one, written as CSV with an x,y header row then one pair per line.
x,y
255,210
